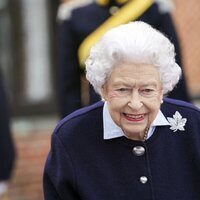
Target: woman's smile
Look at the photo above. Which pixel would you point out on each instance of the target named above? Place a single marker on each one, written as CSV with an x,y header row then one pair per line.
x,y
134,117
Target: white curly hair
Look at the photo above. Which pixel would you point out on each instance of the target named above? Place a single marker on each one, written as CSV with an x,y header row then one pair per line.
x,y
135,42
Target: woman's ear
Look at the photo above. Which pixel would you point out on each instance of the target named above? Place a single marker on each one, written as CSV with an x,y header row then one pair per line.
x,y
103,92
161,96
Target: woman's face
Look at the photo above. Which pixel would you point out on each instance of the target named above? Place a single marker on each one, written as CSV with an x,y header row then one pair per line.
x,y
133,93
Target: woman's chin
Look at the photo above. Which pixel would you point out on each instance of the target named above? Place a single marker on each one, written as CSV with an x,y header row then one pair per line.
x,y
136,135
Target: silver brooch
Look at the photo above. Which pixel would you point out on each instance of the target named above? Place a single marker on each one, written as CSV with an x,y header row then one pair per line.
x,y
177,122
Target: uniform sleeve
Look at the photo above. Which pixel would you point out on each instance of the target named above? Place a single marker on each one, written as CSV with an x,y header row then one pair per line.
x,y
68,80
59,179
7,151
167,26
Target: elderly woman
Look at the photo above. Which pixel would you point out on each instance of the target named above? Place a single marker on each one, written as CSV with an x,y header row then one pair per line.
x,y
134,144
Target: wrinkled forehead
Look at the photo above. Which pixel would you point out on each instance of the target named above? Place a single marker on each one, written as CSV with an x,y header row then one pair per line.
x,y
136,71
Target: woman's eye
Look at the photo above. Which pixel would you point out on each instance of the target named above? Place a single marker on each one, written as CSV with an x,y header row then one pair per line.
x,y
123,90
148,90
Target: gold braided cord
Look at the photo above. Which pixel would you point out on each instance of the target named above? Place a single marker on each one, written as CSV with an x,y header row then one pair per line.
x,y
105,2
129,12
102,2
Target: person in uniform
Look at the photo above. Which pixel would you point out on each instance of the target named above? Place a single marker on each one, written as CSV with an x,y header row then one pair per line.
x,y
7,150
81,23
135,144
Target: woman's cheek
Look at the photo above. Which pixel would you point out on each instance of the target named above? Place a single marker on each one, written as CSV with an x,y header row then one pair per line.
x,y
113,95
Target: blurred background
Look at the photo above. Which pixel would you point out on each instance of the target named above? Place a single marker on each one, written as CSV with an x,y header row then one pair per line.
x,y
28,65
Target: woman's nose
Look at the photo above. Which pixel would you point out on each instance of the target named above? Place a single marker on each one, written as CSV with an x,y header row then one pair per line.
x,y
135,101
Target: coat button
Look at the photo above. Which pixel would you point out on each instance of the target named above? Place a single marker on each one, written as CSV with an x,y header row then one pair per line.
x,y
138,150
143,179
113,10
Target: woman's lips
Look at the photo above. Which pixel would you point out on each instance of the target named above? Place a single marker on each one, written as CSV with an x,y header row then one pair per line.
x,y
134,117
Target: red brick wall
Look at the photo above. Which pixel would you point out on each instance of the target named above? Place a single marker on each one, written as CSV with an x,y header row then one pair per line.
x,y
32,150
187,19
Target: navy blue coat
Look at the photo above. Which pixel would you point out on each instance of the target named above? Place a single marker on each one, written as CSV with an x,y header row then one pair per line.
x,y
7,153
73,30
83,166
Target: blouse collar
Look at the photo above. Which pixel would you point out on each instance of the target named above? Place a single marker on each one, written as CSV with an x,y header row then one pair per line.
x,y
111,130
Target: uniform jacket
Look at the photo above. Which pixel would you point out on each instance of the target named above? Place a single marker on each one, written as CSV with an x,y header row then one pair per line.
x,y
83,166
7,153
72,30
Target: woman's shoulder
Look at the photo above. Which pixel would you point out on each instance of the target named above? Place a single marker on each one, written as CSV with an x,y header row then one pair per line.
x,y
82,119
170,106
180,103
